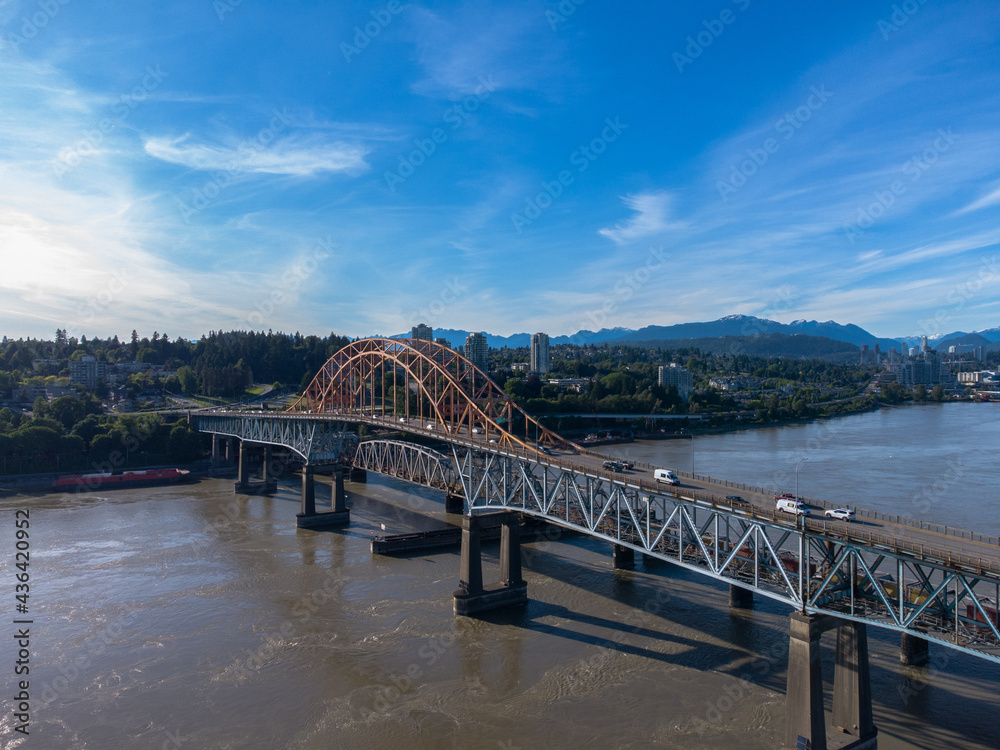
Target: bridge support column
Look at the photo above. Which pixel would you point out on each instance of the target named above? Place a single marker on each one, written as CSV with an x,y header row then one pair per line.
x,y
244,485
266,470
913,650
852,699
471,597
740,598
309,518
359,475
622,558
216,450
804,697
242,469
852,692
454,503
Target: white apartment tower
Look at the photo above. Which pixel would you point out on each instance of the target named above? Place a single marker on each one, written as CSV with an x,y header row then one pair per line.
x,y
475,350
540,353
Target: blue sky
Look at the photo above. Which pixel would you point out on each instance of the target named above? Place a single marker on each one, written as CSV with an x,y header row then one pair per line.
x,y
514,166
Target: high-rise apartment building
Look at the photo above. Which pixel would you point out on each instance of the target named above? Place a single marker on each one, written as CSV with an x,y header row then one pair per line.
x,y
540,353
679,378
475,350
423,332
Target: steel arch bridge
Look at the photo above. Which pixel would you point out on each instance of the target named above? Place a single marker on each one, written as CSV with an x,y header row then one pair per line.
x,y
898,578
411,380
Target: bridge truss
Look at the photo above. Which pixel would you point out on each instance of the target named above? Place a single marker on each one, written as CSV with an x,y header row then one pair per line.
x,y
317,441
930,595
411,380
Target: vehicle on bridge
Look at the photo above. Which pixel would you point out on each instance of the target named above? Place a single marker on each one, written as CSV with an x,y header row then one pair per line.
x,y
791,505
842,514
666,476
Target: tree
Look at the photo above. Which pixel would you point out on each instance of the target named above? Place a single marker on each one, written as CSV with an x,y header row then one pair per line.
x,y
188,379
41,407
184,444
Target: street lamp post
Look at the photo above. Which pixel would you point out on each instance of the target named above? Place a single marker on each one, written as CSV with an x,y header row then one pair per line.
x,y
685,429
797,476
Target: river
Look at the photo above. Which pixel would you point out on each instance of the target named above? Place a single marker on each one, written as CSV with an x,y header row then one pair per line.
x,y
187,617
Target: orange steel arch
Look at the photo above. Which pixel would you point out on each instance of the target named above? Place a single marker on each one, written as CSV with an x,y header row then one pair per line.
x,y
451,392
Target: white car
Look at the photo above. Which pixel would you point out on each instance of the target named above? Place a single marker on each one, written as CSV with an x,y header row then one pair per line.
x,y
843,514
429,425
477,431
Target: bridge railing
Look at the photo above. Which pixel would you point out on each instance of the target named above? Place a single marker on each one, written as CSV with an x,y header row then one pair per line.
x,y
827,505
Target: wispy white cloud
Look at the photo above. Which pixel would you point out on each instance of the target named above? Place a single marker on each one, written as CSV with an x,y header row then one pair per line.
x,y
294,155
990,199
651,218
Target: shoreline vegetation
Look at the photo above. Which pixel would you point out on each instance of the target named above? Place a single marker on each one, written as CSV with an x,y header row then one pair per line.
x,y
49,424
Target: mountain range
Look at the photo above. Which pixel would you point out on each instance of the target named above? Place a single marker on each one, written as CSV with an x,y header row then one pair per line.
x,y
672,336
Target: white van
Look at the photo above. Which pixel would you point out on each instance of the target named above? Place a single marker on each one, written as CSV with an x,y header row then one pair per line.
x,y
791,505
666,476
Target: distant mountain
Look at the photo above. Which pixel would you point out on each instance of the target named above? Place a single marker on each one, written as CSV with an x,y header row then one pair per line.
x,y
730,326
456,338
747,325
793,346
969,339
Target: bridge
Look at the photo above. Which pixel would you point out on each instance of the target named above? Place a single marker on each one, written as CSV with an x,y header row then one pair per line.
x,y
930,583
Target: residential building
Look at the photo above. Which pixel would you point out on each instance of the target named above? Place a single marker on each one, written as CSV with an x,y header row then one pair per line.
x,y
521,367
87,371
540,353
475,349
579,385
677,376
423,332
443,342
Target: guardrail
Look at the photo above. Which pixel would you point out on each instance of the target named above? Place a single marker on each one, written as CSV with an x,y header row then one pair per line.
x,y
891,543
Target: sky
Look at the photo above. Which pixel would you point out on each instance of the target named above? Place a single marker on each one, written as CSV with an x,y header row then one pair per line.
x,y
502,166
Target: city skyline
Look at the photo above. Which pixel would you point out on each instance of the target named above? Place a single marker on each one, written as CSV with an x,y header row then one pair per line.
x,y
364,168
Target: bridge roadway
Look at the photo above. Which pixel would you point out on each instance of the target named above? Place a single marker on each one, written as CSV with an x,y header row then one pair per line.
x,y
922,540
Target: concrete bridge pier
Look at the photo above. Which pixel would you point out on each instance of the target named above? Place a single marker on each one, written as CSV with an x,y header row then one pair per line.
x,y
244,485
740,598
309,518
622,558
454,503
242,469
914,651
472,597
805,725
358,475
216,450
